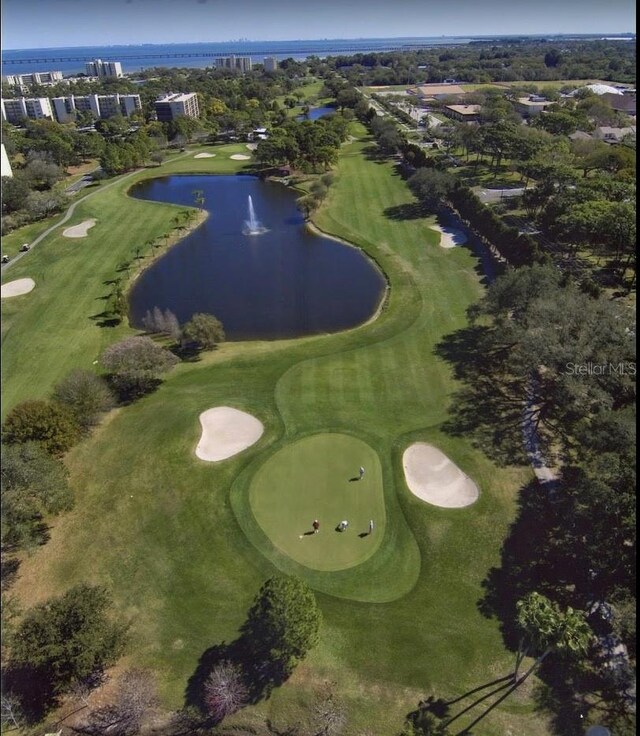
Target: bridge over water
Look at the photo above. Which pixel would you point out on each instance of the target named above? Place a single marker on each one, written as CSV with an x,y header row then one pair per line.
x,y
299,51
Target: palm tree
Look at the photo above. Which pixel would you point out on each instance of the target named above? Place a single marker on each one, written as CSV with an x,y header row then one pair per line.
x,y
545,629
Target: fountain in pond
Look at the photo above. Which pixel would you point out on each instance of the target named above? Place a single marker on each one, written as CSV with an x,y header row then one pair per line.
x,y
252,226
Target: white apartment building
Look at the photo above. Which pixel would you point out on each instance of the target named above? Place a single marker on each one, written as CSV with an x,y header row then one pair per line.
x,y
242,63
5,169
173,106
270,64
34,108
99,68
34,78
100,106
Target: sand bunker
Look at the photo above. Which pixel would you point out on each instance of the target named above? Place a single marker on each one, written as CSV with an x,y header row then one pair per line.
x,y
79,231
450,237
204,155
239,157
226,432
17,287
432,477
252,146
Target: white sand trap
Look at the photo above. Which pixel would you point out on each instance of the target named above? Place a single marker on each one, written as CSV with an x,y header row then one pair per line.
x,y
17,287
226,432
204,155
450,237
252,146
239,157
79,231
432,477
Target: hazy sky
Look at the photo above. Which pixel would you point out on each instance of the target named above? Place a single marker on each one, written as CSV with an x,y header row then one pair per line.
x,y
51,23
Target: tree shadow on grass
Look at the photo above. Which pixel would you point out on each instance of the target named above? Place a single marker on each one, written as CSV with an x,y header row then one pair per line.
x,y
488,409
188,353
9,567
260,675
526,563
32,688
373,153
408,211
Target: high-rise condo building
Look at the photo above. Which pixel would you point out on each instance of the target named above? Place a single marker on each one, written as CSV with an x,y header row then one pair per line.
x,y
172,106
99,68
34,108
242,63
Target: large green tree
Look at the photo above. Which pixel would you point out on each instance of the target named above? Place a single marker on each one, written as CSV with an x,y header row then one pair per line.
x,y
204,330
33,485
69,638
48,422
284,622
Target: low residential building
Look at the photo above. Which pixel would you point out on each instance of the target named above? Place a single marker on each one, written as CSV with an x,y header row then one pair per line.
x,y
580,135
270,64
612,135
621,103
242,63
464,113
34,108
34,78
530,106
173,106
99,68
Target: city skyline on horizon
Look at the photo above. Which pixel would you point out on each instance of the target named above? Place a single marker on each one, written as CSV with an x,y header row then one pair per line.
x,y
82,23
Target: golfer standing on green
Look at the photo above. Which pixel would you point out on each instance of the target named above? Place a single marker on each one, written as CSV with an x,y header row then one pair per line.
x,y
361,472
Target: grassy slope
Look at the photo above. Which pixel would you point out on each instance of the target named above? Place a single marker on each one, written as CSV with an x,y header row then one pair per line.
x,y
159,527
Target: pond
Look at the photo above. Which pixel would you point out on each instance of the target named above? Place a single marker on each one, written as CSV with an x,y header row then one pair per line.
x,y
317,112
285,282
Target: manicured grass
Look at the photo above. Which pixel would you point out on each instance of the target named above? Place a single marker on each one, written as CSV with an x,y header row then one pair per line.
x,y
56,325
176,539
317,477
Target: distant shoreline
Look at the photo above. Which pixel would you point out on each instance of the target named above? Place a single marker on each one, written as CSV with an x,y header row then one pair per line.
x,y
136,57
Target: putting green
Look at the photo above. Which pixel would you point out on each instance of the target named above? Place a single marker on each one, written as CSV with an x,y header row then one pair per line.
x,y
317,478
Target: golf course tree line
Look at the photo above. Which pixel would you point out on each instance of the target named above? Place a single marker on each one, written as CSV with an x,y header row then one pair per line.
x,y
526,358
37,433
309,145
539,349
63,647
493,60
578,196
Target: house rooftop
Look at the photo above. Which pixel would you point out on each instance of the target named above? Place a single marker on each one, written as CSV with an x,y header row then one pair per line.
x,y
465,109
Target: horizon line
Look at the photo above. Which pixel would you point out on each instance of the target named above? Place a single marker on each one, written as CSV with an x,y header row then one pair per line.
x,y
599,34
